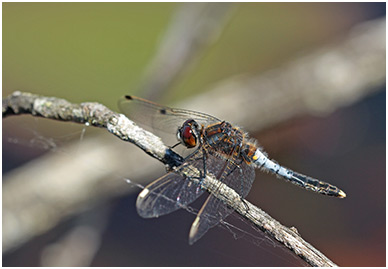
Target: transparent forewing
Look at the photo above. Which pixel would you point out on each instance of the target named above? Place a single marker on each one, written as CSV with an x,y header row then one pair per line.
x,y
160,118
238,176
170,192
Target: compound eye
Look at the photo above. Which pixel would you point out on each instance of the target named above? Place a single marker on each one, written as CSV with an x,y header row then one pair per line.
x,y
187,135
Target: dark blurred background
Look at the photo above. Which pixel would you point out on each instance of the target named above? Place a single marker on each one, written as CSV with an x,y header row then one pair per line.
x,y
101,51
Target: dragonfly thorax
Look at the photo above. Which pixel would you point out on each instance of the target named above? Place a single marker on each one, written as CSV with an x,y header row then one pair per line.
x,y
188,134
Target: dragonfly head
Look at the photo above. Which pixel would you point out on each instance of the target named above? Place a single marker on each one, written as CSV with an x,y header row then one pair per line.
x,y
188,134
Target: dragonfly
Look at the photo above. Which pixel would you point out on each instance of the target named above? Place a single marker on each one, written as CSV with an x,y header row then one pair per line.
x,y
214,147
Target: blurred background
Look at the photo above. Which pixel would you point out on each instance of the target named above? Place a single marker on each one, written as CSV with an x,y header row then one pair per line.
x,y
303,78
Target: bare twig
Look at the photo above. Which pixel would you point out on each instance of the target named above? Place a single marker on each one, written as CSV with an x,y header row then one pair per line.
x,y
100,116
93,114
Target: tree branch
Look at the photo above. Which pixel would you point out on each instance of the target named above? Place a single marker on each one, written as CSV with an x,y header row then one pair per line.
x,y
98,115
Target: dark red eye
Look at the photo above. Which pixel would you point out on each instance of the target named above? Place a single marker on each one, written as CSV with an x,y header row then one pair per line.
x,y
187,135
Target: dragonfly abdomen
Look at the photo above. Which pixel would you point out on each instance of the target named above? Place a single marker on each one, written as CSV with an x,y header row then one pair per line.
x,y
316,185
309,183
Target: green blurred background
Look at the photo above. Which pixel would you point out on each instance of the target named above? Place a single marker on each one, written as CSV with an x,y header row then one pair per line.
x,y
99,52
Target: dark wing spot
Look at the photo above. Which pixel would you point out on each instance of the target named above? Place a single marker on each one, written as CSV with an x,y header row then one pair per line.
x,y
163,111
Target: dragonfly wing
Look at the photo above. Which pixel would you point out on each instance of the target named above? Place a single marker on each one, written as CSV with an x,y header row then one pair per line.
x,y
231,170
171,191
211,213
237,176
241,179
160,118
165,195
